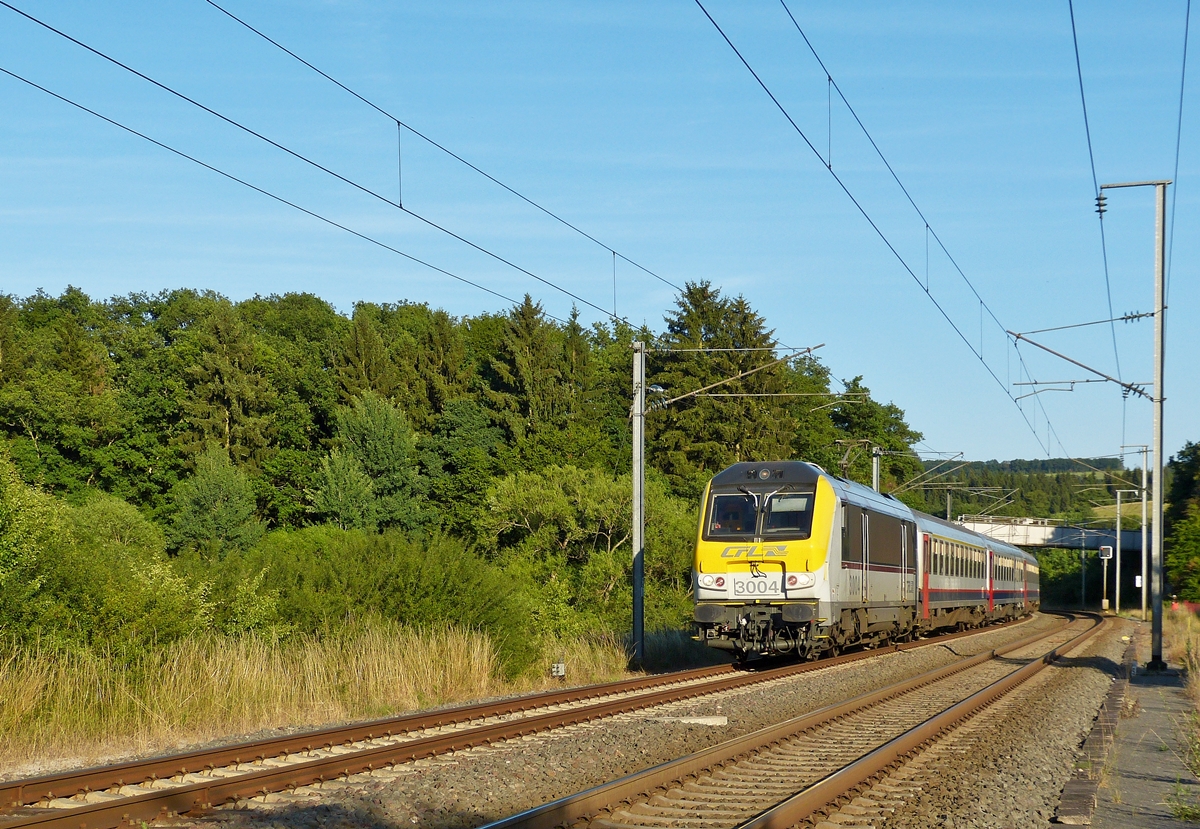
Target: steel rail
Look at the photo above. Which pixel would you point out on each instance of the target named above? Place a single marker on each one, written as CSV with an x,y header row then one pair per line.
x,y
26,791
204,795
65,784
603,798
803,804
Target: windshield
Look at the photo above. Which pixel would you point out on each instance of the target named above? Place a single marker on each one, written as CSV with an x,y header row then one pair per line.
x,y
788,514
732,515
746,515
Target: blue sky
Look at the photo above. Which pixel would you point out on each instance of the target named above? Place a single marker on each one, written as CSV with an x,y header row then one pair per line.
x,y
637,123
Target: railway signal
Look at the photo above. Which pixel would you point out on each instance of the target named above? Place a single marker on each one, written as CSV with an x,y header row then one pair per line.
x,y
1106,552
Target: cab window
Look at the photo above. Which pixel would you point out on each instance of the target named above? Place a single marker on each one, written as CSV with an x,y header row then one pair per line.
x,y
731,516
790,514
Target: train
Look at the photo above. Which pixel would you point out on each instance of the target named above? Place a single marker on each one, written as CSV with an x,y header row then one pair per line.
x,y
792,560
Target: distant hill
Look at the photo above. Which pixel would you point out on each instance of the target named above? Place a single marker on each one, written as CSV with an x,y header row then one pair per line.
x,y
1047,466
1047,488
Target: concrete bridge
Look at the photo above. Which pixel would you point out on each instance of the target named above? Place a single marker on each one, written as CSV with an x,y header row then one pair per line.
x,y
1048,532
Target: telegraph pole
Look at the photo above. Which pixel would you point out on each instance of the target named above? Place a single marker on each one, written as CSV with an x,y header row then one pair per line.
x,y
1156,552
1117,608
1082,572
876,455
1145,450
638,415
1156,555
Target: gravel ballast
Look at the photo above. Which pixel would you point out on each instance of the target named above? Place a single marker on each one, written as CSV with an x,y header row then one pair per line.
x,y
1007,766
473,787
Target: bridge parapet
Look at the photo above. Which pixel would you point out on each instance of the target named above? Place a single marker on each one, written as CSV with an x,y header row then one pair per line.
x,y
1049,532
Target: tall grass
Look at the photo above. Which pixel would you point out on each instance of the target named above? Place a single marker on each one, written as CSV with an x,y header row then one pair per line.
x,y
66,706
1181,645
69,706
74,704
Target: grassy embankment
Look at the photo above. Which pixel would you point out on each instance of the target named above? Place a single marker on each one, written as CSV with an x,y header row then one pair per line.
x,y
69,707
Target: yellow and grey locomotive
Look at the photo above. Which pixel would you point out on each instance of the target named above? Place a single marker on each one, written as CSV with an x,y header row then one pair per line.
x,y
793,560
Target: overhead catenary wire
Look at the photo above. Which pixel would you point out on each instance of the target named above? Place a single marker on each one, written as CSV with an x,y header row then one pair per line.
x,y
299,156
1123,318
432,142
883,237
263,191
929,231
1095,183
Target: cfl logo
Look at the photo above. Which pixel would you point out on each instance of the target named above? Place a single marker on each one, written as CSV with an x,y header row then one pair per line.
x,y
767,551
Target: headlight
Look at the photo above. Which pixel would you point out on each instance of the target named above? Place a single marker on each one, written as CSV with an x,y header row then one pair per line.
x,y
801,580
707,580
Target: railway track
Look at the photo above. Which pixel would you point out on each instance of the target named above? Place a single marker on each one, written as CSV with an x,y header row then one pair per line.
x,y
781,775
194,782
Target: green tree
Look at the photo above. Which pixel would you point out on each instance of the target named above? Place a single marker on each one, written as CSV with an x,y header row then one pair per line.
x,y
862,418
228,396
214,510
1183,555
566,532
344,494
524,375
693,439
363,363
377,435
1183,483
28,521
460,460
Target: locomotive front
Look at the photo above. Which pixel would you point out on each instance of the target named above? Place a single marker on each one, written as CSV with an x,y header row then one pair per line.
x,y
762,551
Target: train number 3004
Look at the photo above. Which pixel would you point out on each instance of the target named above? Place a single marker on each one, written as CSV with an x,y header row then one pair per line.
x,y
755,587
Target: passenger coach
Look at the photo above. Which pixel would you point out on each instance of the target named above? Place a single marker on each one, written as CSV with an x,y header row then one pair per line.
x,y
791,559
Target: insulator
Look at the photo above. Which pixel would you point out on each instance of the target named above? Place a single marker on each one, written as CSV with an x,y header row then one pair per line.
x,y
1101,204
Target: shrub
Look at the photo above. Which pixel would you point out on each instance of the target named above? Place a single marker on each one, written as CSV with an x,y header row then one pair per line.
x,y
324,577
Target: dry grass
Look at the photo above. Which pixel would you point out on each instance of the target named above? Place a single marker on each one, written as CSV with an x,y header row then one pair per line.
x,y
1181,646
63,708
78,707
67,707
588,660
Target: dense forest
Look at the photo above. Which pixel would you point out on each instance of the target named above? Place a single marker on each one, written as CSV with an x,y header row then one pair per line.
x,y
179,463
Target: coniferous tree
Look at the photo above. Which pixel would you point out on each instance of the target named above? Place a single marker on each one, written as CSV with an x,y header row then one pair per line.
x,y
344,493
377,435
214,509
694,438
363,363
524,376
228,397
